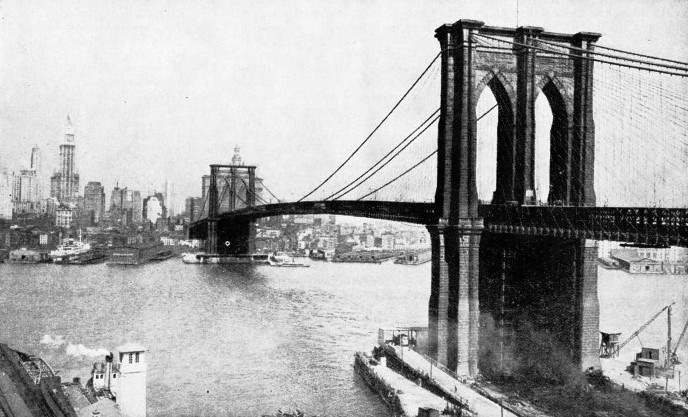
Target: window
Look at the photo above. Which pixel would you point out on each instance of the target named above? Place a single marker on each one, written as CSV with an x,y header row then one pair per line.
x,y
114,375
137,357
131,355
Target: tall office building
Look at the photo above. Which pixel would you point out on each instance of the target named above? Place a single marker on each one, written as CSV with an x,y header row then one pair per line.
x,y
5,195
24,186
126,206
36,167
169,198
94,200
64,184
192,208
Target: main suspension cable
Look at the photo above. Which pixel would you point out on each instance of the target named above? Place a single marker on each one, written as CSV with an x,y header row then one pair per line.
x,y
604,61
384,157
374,130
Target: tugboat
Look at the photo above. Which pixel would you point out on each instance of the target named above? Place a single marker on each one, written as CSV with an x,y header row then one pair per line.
x,y
280,259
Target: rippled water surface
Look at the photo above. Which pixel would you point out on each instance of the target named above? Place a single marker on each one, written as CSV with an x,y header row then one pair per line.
x,y
223,340
247,340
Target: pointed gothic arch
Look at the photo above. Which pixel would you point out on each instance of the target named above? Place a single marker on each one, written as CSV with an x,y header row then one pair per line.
x,y
504,93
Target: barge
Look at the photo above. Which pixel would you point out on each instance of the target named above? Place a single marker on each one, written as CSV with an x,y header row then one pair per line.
x,y
415,257
134,254
216,258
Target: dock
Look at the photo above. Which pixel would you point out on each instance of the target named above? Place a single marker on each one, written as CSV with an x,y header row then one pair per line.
x,y
402,396
449,385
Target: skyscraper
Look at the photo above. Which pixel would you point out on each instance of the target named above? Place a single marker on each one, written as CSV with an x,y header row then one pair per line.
x,y
64,184
24,186
126,206
36,165
94,200
5,195
169,198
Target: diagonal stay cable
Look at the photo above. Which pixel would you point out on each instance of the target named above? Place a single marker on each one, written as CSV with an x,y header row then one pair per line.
x,y
436,118
395,155
374,130
271,193
248,190
384,157
398,176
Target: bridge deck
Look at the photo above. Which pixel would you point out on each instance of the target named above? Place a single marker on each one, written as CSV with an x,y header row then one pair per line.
x,y
654,226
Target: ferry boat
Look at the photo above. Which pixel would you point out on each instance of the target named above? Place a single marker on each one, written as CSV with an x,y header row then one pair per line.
x,y
207,258
76,252
279,259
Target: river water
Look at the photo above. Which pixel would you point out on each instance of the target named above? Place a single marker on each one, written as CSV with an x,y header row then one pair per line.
x,y
246,340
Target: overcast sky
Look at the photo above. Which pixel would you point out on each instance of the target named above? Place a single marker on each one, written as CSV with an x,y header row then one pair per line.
x,y
160,89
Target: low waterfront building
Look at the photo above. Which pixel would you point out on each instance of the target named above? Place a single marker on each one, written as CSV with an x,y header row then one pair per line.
x,y
631,261
27,256
387,241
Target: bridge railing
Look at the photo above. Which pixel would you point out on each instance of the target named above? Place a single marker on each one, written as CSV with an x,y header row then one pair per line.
x,y
663,226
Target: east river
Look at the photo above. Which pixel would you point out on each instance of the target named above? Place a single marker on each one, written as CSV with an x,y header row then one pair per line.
x,y
248,340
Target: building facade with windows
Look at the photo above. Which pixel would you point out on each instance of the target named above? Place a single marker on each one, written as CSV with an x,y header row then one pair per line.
x,y
64,184
94,200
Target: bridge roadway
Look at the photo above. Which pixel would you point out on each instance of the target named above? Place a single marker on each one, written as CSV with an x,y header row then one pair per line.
x,y
641,225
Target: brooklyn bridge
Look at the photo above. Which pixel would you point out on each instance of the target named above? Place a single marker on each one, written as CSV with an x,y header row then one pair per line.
x,y
528,248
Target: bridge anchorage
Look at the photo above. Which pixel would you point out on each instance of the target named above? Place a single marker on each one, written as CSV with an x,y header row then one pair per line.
x,y
511,281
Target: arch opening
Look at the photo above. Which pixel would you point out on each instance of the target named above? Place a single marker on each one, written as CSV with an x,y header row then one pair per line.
x,y
552,154
495,136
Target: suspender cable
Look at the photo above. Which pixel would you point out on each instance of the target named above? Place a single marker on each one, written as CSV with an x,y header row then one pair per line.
x,y
374,130
398,176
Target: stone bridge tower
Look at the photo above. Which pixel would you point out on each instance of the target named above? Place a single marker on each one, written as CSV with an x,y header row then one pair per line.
x,y
507,61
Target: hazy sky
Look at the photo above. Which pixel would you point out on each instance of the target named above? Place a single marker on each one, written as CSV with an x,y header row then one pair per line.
x,y
160,89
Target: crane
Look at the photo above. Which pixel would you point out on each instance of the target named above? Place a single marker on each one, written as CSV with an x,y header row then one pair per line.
x,y
674,358
640,329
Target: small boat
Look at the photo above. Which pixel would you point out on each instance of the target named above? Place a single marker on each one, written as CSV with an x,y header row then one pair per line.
x,y
277,259
608,263
162,256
